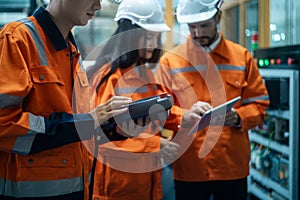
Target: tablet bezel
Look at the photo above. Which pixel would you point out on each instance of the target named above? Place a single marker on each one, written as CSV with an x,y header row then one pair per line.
x,y
208,116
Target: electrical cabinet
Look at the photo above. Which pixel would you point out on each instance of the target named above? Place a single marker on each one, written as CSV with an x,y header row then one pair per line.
x,y
274,168
14,5
12,10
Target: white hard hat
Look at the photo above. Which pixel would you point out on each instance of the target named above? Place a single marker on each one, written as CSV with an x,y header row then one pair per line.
x,y
147,14
192,11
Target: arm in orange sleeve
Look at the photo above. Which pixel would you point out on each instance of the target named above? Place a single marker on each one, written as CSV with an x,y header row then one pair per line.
x,y
255,97
164,78
145,142
21,132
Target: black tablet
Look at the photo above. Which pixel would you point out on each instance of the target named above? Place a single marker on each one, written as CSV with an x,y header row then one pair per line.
x,y
155,106
144,107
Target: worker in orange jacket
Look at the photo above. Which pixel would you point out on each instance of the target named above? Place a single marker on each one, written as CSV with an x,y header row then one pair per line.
x,y
202,73
43,116
131,169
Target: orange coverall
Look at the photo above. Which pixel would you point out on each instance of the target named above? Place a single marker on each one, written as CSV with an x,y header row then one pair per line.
x,y
39,74
139,176
191,75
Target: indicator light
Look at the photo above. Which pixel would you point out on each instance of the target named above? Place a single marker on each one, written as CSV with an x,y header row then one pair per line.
x,y
267,63
261,62
290,61
278,61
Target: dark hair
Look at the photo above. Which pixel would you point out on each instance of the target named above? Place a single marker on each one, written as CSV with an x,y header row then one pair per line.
x,y
122,50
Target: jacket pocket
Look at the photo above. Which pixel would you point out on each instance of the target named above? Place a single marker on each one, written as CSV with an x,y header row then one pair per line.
x,y
43,75
235,83
236,80
59,157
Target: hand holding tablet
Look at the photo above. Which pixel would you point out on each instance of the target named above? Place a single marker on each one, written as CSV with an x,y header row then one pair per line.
x,y
156,107
211,117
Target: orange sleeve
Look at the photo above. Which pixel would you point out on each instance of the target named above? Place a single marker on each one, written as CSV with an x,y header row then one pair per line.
x,y
145,142
15,84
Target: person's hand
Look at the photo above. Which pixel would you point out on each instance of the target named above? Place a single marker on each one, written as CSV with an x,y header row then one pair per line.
x,y
195,113
133,128
231,119
169,150
114,106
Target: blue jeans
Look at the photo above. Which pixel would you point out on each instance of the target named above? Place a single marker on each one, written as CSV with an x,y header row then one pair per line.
x,y
168,185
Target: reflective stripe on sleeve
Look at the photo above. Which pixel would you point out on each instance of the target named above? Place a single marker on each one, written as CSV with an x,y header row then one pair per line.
x,y
23,143
38,42
202,68
37,124
41,188
253,99
230,67
188,69
9,101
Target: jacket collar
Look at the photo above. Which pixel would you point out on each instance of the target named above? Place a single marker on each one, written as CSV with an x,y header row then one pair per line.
x,y
222,50
51,30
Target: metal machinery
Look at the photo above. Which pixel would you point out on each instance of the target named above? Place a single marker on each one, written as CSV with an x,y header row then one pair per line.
x,y
274,168
11,10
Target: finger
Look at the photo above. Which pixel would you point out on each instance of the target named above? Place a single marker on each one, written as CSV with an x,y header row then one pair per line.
x,y
204,106
195,116
117,102
119,98
198,110
117,111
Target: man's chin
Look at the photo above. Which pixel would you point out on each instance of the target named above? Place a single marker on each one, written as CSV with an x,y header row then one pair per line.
x,y
201,43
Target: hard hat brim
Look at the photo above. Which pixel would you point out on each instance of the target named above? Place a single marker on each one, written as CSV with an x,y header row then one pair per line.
x,y
149,27
155,27
194,18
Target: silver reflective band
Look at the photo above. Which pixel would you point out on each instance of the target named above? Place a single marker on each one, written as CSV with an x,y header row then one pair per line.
x,y
9,101
41,188
23,144
38,42
36,124
253,99
230,67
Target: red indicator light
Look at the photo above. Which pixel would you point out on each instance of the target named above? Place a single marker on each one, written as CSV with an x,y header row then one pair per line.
x,y
278,61
290,61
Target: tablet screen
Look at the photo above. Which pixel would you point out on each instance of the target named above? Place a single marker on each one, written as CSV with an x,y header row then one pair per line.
x,y
216,111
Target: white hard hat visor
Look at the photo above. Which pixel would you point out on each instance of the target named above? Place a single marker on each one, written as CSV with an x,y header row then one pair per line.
x,y
147,14
192,11
198,17
155,27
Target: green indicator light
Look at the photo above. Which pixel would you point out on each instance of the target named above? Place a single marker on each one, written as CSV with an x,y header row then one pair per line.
x,y
267,62
261,62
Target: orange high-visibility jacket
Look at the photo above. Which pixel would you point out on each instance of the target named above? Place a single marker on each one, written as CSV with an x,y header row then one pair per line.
x,y
40,150
227,72
128,169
